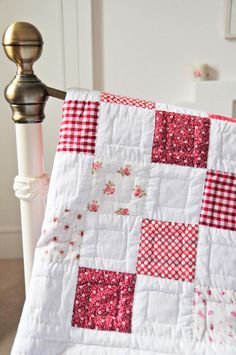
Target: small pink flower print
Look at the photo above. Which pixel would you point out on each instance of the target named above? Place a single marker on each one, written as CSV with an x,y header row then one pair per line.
x,y
201,314
222,293
55,219
72,243
125,171
209,292
77,256
138,191
66,227
194,303
93,206
233,314
82,233
210,312
210,338
211,326
197,291
46,252
55,239
66,210
122,211
79,216
96,166
109,188
204,302
61,252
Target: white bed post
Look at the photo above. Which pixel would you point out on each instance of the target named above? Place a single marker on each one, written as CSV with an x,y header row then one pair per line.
x,y
27,95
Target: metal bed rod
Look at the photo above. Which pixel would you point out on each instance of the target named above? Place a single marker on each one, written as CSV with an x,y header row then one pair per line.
x,y
27,95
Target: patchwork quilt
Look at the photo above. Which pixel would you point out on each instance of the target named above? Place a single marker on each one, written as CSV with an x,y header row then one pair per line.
x,y
138,247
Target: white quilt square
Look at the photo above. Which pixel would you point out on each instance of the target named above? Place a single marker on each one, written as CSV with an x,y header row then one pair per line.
x,y
125,132
222,152
174,193
70,181
216,260
162,308
110,242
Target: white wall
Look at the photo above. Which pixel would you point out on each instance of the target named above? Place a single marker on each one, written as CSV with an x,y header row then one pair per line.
x,y
149,46
141,48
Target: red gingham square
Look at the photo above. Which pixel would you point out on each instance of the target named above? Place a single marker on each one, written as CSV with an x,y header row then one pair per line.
x,y
181,139
79,126
104,300
219,201
168,250
124,100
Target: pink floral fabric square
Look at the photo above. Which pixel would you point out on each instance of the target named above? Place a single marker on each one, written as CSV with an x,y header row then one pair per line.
x,y
214,315
168,250
104,300
181,139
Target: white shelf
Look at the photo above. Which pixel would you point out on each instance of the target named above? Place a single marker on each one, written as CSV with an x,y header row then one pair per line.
x,y
213,96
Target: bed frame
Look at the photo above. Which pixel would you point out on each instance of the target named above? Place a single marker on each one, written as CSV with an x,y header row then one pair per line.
x,y
27,95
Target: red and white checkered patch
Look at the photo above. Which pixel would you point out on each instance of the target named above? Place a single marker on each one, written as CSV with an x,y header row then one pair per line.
x,y
124,100
168,250
79,126
219,201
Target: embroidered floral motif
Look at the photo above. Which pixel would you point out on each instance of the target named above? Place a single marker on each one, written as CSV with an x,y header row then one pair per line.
x,y
125,171
138,191
61,235
93,206
97,165
233,314
122,211
109,188
215,315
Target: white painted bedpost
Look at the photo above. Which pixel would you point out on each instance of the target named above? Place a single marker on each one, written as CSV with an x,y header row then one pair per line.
x,y
27,95
31,186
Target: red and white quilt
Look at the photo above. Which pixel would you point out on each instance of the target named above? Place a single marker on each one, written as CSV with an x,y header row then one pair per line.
x,y
138,247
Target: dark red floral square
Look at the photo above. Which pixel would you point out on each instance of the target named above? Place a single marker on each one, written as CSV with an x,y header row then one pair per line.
x,y
104,300
181,139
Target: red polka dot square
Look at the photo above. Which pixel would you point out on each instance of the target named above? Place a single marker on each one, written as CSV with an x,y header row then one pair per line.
x,y
124,100
104,300
181,139
168,250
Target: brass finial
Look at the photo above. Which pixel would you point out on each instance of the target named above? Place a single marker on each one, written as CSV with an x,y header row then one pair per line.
x,y
26,94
